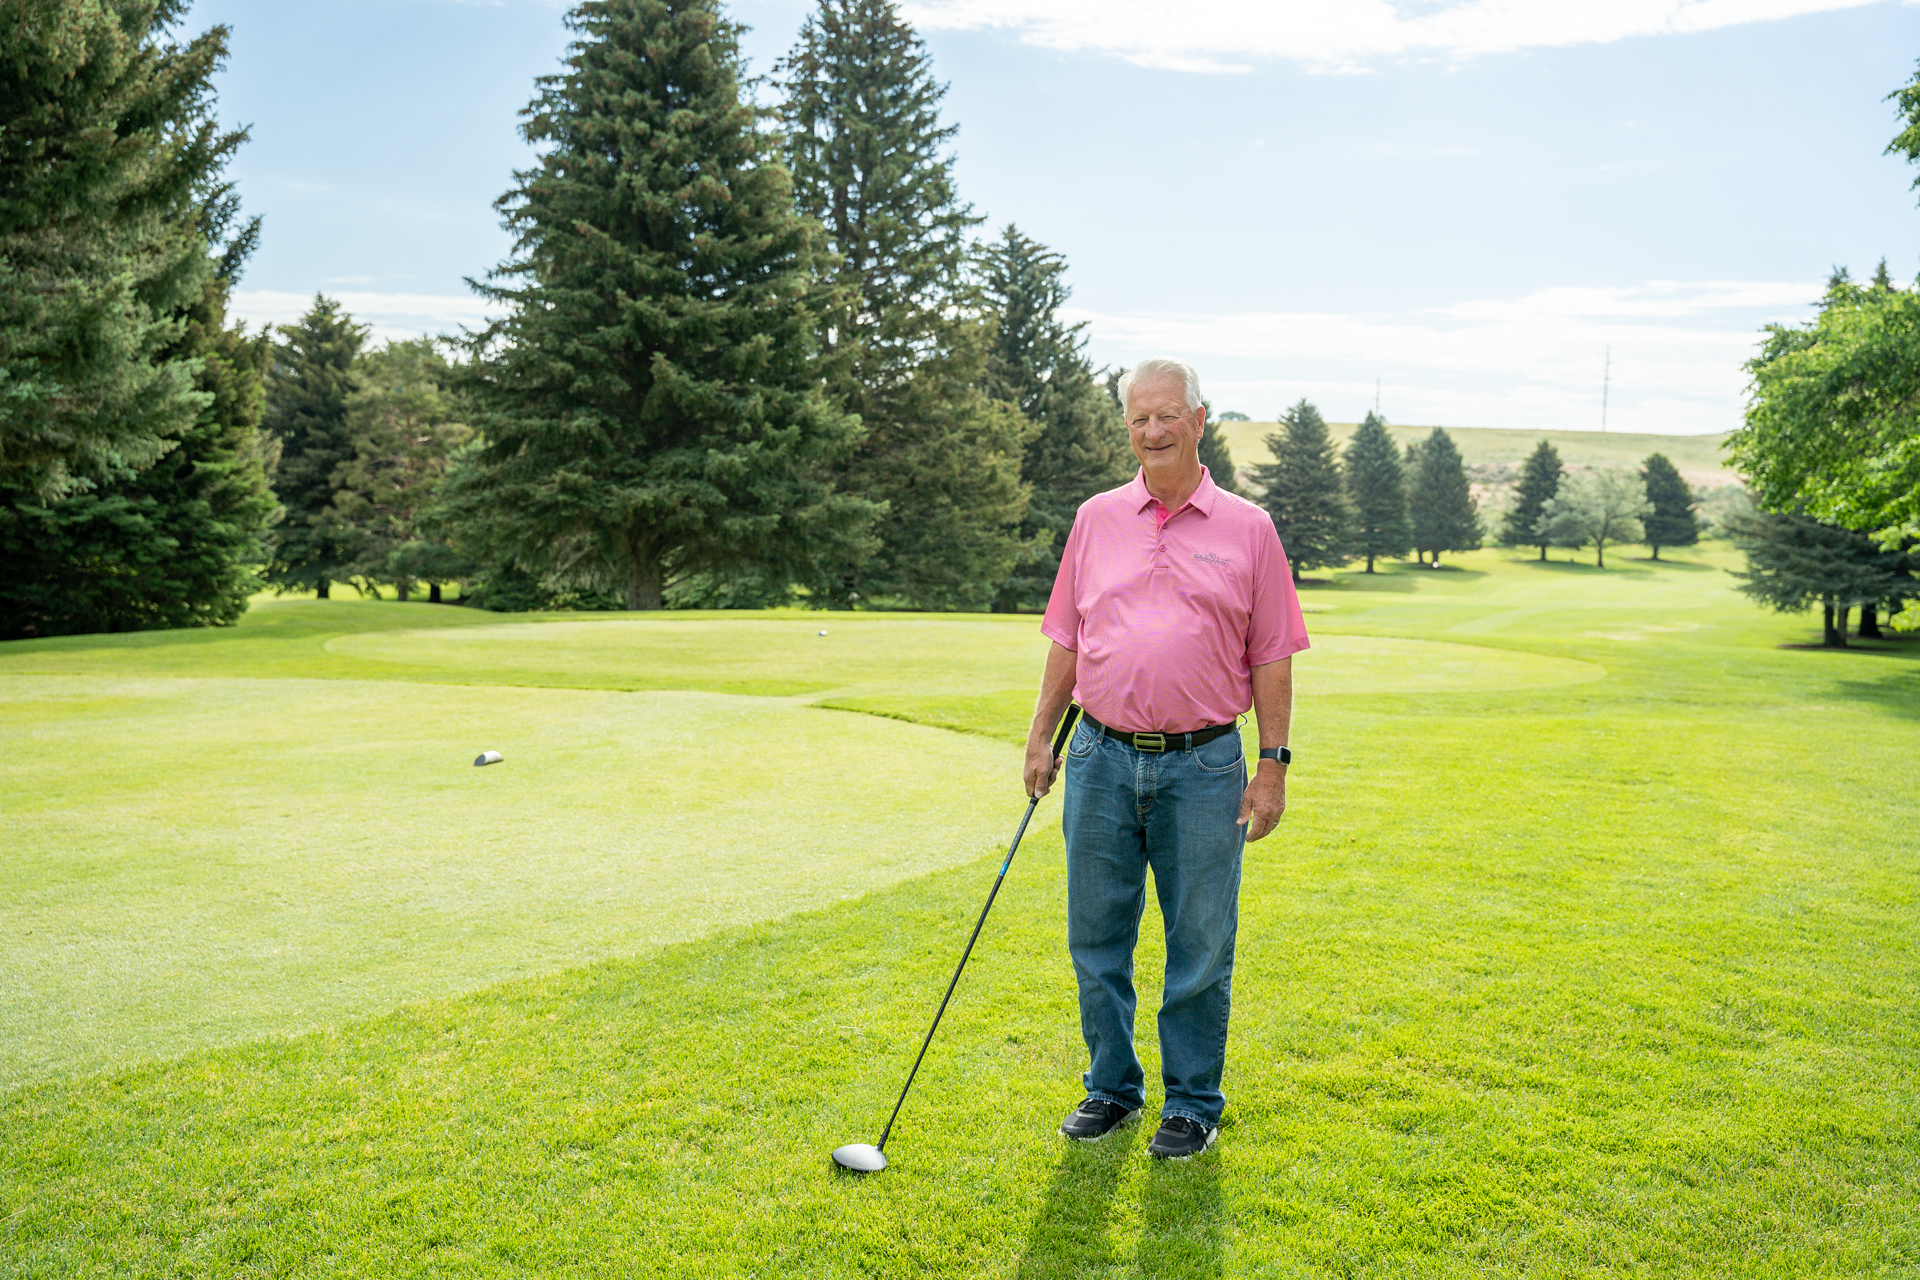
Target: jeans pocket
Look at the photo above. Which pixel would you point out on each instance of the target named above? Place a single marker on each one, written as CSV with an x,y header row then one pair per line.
x,y
1224,754
1080,746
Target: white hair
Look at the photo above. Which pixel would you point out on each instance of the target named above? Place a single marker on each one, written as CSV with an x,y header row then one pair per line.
x,y
1162,367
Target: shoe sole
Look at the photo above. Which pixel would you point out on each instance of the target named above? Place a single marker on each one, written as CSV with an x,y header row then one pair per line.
x,y
1212,1135
1131,1117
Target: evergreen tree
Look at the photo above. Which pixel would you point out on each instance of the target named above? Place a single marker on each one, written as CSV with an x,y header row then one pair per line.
x,y
1539,482
1377,490
1794,561
307,392
650,401
121,169
908,352
1672,522
1445,516
1038,363
405,429
1882,279
1302,490
107,150
1216,457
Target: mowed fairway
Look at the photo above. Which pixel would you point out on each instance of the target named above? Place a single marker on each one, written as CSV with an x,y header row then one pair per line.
x,y
1586,947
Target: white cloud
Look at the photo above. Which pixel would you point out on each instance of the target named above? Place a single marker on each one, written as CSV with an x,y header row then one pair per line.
x,y
392,315
1227,35
1677,351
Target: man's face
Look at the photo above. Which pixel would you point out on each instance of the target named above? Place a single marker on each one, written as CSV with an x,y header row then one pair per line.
x,y
1164,432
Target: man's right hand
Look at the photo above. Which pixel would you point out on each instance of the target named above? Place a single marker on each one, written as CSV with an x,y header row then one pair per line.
x,y
1042,768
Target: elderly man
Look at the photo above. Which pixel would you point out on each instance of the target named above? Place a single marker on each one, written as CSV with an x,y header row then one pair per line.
x,y
1174,610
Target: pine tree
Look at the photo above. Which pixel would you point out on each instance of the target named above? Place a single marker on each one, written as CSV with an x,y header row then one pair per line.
x,y
1539,481
908,352
109,160
1882,279
107,148
1672,522
650,401
405,427
1377,490
307,391
1302,490
1445,516
1038,363
1216,457
1794,561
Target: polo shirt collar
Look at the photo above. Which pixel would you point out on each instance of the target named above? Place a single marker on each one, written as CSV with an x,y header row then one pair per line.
x,y
1201,501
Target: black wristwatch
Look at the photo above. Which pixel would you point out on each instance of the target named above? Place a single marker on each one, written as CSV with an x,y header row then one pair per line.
x,y
1281,754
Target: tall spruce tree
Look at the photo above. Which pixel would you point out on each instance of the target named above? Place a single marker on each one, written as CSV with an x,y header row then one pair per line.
x,y
908,350
308,387
650,402
1795,561
1445,516
1672,522
1216,456
1039,363
1377,491
1539,482
107,147
110,158
1302,490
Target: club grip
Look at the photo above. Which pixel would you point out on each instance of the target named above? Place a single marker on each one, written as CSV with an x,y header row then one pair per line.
x,y
1066,730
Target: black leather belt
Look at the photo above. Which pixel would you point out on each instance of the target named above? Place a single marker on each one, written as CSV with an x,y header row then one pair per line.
x,y
1157,742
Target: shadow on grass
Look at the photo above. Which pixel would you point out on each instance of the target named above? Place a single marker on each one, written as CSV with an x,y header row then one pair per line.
x,y
1688,566
1183,1234
1897,695
1580,566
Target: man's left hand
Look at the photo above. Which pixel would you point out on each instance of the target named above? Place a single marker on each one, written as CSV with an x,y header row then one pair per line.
x,y
1265,800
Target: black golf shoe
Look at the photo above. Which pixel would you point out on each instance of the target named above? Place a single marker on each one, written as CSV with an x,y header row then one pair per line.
x,y
1181,1139
1094,1119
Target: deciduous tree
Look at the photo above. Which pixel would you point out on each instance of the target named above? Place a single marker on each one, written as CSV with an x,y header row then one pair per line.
x,y
1596,507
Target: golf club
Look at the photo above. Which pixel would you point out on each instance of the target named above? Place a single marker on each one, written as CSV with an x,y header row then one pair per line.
x,y
861,1157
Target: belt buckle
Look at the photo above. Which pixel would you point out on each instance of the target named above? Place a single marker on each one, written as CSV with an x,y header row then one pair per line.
x,y
1149,742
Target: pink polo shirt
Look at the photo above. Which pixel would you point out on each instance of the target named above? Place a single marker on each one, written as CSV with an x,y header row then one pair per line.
x,y
1170,612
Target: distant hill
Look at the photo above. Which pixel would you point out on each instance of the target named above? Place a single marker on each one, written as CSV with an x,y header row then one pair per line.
x,y
1697,457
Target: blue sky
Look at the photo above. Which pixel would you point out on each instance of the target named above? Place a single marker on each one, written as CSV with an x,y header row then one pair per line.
x,y
1470,201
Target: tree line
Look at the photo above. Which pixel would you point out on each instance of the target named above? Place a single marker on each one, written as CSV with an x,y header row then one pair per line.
x,y
1831,446
1375,501
744,353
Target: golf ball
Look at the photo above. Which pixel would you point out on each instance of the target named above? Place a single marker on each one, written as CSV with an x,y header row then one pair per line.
x,y
823,633
487,757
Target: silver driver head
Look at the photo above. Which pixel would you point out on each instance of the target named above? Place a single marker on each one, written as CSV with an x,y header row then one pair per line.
x,y
860,1157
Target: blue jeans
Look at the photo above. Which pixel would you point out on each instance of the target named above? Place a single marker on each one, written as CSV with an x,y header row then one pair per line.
x,y
1174,811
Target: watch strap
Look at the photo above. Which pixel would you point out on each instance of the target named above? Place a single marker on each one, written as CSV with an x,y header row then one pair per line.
x,y
1282,754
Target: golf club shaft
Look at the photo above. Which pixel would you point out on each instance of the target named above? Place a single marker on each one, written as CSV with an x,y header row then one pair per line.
x,y
1033,802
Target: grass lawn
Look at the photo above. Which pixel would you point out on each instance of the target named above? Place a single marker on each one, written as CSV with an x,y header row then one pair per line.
x,y
1586,947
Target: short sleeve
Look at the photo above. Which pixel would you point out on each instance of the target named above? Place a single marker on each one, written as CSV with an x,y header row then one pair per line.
x,y
1062,621
1275,628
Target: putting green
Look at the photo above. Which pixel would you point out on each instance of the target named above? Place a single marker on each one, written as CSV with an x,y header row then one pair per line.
x,y
195,862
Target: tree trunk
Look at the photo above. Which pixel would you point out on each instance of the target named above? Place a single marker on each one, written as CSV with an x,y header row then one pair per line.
x,y
1543,553
643,574
1827,636
400,590
322,588
433,593
1656,549
1600,554
1295,566
1840,612
1369,564
1869,623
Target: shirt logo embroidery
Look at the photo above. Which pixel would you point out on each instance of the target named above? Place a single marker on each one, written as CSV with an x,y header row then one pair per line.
x,y
1210,558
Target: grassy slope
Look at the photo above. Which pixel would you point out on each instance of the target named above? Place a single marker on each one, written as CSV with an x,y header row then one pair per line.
x,y
1605,976
1697,457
